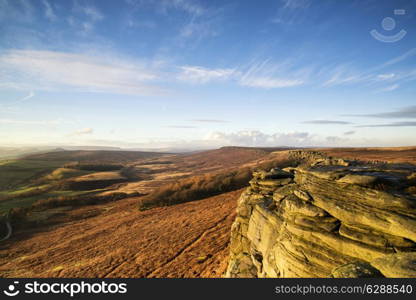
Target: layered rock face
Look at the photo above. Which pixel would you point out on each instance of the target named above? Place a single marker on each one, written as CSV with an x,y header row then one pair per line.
x,y
326,218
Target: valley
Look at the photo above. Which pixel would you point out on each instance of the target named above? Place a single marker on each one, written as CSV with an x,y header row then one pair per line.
x,y
76,214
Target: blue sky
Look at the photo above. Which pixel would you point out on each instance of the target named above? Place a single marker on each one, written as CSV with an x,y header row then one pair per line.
x,y
188,73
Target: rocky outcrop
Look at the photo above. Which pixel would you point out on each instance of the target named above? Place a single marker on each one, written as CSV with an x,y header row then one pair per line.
x,y
326,218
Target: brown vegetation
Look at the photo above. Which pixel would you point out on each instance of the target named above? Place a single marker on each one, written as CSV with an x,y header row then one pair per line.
x,y
393,155
116,240
98,167
206,185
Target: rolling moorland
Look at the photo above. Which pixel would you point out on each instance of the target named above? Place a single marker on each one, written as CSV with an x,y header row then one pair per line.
x,y
133,214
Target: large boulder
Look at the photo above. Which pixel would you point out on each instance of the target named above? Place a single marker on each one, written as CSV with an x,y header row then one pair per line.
x,y
328,218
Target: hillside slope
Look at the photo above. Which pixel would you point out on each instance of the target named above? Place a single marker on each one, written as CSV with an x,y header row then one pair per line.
x,y
186,240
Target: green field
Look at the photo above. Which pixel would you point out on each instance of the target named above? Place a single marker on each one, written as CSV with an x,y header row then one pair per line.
x,y
53,175
15,173
23,182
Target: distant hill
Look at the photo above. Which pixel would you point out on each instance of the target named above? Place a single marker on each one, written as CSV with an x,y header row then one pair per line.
x,y
92,155
228,157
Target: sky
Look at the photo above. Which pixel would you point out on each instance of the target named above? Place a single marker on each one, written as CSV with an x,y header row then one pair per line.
x,y
205,74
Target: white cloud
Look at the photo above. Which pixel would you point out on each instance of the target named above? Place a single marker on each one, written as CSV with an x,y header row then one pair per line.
x,y
196,74
192,7
189,6
91,12
84,131
351,132
386,76
390,88
84,18
258,138
198,29
141,24
399,58
257,75
293,4
342,74
269,83
346,73
49,13
31,94
266,75
29,69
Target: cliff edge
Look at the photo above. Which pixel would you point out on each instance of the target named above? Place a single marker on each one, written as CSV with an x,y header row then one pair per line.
x,y
326,218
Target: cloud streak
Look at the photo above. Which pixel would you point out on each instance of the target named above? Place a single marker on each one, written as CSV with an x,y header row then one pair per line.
x,y
404,113
390,88
270,83
256,138
327,122
48,70
49,12
394,124
197,74
180,126
209,121
83,131
266,75
351,132
31,94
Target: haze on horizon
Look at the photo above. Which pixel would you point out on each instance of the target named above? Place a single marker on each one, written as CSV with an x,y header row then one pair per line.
x,y
203,74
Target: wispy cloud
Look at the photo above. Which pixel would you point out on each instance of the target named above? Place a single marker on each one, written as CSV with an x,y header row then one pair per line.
x,y
385,76
84,18
351,132
293,4
209,121
291,11
399,58
202,20
49,12
49,70
180,126
404,113
90,11
347,73
31,94
257,75
141,24
198,29
190,6
259,138
83,131
264,74
196,74
270,83
394,124
327,122
343,74
390,88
